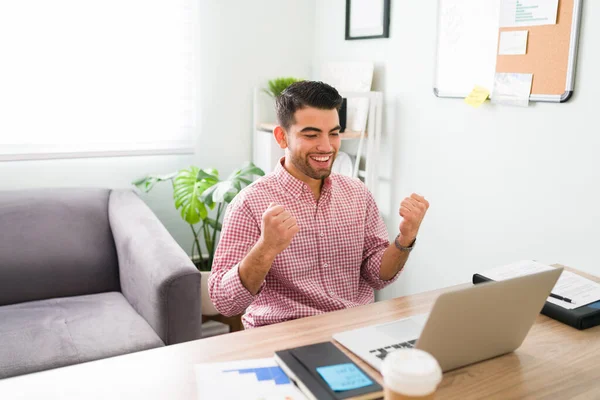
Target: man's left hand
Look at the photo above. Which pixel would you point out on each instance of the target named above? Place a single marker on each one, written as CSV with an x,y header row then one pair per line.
x,y
412,211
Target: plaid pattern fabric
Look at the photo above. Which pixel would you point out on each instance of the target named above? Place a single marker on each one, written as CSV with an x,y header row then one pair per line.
x,y
332,263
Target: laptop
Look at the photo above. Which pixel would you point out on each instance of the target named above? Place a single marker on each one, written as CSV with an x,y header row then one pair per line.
x,y
464,326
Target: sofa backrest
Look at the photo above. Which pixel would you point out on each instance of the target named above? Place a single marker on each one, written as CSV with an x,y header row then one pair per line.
x,y
55,243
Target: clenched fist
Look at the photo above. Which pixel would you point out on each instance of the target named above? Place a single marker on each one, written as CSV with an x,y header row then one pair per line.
x,y
412,211
278,228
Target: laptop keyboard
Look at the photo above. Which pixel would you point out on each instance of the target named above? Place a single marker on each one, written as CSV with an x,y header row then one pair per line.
x,y
382,352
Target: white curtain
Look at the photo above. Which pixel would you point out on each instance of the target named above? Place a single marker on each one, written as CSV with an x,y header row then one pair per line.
x,y
96,76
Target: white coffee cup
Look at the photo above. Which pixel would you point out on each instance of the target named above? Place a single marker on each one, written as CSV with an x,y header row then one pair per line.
x,y
410,374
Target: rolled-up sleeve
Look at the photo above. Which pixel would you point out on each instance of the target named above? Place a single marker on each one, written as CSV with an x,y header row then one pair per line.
x,y
239,234
375,244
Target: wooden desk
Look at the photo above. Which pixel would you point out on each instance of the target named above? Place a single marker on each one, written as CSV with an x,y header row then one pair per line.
x,y
555,361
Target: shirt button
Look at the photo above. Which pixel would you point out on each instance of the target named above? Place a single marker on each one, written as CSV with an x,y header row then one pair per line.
x,y
326,265
321,234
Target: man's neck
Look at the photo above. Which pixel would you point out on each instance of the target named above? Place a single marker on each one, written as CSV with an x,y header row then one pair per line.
x,y
315,185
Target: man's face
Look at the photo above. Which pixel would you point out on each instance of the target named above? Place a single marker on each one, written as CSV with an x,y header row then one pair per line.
x,y
313,141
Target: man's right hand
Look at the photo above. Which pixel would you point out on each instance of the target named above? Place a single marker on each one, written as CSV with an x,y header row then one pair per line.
x,y
278,229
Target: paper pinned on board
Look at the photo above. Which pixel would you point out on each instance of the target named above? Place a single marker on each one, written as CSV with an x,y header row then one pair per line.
x,y
513,43
477,96
580,290
528,12
512,89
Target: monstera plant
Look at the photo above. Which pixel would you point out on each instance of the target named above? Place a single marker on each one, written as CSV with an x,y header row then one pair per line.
x,y
195,192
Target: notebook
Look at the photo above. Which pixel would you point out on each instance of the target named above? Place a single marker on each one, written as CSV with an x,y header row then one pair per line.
x,y
322,371
582,317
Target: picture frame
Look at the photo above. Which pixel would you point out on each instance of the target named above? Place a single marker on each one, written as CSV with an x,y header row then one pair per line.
x,y
367,19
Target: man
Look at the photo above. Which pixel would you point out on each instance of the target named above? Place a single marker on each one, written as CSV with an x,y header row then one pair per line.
x,y
302,241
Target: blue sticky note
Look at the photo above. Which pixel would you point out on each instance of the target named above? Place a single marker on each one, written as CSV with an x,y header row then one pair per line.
x,y
343,377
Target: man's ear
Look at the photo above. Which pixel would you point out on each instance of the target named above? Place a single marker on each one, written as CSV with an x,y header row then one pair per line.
x,y
280,137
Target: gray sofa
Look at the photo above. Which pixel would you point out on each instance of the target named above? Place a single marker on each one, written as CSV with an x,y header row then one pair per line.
x,y
87,274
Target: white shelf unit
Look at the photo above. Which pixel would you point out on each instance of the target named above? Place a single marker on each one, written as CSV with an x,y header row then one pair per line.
x,y
266,152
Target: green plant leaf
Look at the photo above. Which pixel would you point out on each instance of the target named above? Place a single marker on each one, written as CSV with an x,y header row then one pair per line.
x,y
246,171
196,190
203,174
147,183
144,184
251,170
140,181
187,191
243,180
221,189
166,177
278,85
214,224
230,195
207,197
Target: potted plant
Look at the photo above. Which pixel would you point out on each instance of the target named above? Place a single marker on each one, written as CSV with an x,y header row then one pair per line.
x,y
195,192
278,85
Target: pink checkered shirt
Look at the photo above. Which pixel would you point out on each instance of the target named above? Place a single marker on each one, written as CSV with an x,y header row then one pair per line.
x,y
332,263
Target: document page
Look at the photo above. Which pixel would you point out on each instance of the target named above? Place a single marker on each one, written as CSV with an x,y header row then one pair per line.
x,y
580,290
257,379
528,12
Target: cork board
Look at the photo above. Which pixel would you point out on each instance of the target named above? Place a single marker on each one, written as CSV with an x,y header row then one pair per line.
x,y
468,34
550,57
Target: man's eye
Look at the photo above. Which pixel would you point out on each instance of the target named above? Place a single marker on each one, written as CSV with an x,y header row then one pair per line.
x,y
310,136
335,133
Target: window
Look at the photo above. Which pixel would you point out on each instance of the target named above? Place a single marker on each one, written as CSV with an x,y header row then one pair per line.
x,y
96,77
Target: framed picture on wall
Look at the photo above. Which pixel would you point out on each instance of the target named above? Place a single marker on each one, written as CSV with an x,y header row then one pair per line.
x,y
367,19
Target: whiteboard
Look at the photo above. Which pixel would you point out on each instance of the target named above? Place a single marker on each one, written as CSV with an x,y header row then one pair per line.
x,y
467,40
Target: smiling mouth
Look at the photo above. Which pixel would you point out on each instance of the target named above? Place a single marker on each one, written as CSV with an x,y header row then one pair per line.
x,y
321,159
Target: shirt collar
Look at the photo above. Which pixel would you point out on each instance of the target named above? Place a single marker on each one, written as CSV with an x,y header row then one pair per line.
x,y
294,185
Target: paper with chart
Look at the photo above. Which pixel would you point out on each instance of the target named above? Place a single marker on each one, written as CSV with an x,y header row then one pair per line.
x,y
512,89
572,286
513,43
258,379
528,12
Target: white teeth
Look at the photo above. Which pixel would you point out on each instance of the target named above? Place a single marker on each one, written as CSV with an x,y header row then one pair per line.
x,y
320,158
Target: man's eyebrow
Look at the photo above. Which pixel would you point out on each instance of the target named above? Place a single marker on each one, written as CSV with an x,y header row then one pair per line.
x,y
311,129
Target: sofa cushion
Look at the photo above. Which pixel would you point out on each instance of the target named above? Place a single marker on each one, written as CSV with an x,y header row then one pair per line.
x,y
46,334
55,243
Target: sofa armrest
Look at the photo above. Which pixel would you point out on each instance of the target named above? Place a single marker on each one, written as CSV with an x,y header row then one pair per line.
x,y
157,277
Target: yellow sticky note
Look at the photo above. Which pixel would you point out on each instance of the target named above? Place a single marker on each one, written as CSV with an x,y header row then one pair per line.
x,y
477,96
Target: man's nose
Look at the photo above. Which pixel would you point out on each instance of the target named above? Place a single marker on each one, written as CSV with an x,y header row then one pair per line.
x,y
324,144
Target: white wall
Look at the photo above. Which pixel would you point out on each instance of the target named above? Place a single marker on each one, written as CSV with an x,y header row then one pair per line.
x,y
504,183
242,45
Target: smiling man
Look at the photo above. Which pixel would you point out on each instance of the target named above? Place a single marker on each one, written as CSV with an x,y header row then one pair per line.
x,y
302,241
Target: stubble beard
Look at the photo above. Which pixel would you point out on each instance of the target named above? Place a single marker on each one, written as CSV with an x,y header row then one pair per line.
x,y
303,164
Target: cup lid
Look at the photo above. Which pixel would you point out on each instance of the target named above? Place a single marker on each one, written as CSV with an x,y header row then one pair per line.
x,y
411,371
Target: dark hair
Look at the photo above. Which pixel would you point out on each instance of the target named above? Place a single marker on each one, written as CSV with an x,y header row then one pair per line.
x,y
304,94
